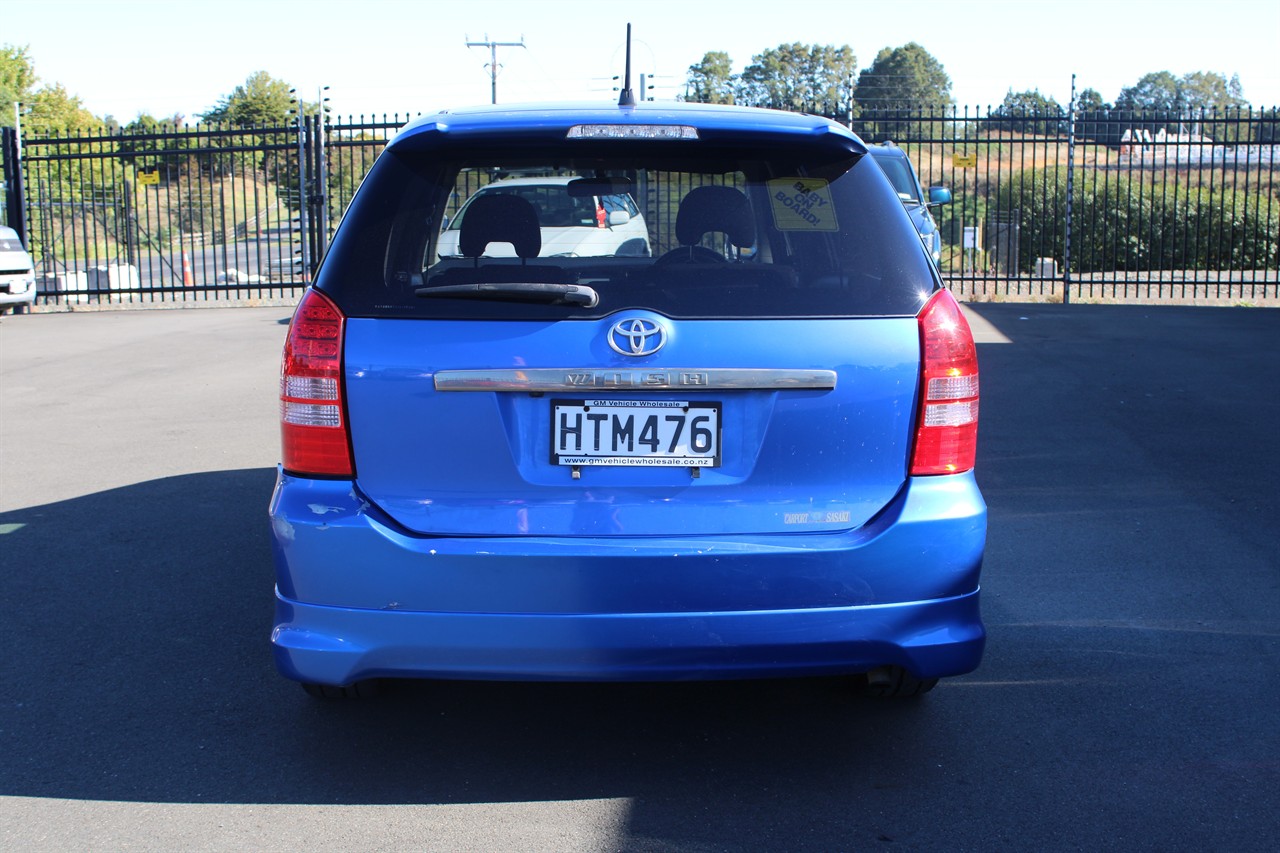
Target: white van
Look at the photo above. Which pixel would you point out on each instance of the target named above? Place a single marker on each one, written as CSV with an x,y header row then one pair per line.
x,y
17,273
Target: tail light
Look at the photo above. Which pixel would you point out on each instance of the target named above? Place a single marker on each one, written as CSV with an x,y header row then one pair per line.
x,y
313,428
947,433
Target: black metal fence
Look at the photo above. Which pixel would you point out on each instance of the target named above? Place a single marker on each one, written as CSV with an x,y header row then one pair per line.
x,y
1101,205
1060,207
185,214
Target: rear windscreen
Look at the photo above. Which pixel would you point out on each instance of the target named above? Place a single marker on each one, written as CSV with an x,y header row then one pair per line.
x,y
691,233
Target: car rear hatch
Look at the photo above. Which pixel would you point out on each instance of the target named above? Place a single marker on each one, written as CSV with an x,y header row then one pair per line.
x,y
454,426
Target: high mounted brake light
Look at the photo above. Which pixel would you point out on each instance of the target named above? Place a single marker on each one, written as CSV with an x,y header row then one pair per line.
x,y
632,131
313,431
947,431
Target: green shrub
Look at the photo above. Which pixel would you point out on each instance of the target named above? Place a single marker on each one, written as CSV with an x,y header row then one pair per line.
x,y
1135,222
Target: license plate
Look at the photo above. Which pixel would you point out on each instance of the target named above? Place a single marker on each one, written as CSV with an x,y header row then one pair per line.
x,y
635,432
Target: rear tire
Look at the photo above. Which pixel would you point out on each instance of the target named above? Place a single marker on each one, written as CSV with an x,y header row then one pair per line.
x,y
893,682
356,690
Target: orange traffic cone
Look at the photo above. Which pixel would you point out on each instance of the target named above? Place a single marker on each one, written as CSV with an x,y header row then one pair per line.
x,y
187,278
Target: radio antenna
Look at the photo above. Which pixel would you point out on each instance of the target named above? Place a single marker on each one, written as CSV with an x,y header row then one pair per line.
x,y
627,98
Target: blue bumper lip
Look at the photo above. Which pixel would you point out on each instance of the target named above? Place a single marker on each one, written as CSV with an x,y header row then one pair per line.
x,y
331,645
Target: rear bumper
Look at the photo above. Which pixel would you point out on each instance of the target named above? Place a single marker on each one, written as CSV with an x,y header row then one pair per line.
x,y
357,597
331,645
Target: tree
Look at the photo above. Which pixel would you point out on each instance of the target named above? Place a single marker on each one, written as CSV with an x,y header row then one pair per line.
x,y
52,109
1209,90
904,78
17,80
1196,91
49,109
144,153
1090,101
815,79
147,123
1028,112
1154,92
261,101
711,81
903,82
1160,100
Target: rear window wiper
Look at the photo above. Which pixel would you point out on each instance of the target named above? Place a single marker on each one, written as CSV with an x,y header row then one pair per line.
x,y
540,293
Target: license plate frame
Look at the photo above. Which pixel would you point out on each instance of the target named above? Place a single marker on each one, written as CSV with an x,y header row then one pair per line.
x,y
658,433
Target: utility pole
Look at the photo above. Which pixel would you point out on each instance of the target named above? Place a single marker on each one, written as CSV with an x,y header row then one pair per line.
x,y
493,59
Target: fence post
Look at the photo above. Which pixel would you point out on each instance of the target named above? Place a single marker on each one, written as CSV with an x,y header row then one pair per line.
x,y
316,196
320,221
304,230
15,194
130,225
1071,183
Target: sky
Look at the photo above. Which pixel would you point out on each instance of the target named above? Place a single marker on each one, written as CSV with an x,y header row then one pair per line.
x,y
167,57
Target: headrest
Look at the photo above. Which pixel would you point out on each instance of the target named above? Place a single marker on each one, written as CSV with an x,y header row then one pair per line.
x,y
500,218
708,209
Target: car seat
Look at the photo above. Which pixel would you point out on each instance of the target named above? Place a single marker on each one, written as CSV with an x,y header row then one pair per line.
x,y
500,218
708,210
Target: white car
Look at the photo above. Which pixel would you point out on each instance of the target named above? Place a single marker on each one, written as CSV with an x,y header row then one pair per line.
x,y
17,273
572,223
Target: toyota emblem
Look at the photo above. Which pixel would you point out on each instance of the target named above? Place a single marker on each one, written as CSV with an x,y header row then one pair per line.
x,y
636,337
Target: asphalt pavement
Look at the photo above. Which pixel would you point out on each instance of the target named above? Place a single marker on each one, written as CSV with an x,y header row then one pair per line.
x,y
1128,699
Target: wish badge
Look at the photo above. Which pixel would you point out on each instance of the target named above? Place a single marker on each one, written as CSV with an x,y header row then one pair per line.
x,y
802,204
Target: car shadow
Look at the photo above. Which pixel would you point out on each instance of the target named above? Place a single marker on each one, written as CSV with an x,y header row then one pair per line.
x,y
138,668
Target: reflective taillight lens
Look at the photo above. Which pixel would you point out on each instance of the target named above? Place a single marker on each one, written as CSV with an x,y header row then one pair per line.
x,y
313,429
947,433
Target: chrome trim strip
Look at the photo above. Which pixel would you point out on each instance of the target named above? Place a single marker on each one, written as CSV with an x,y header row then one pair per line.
x,y
670,378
